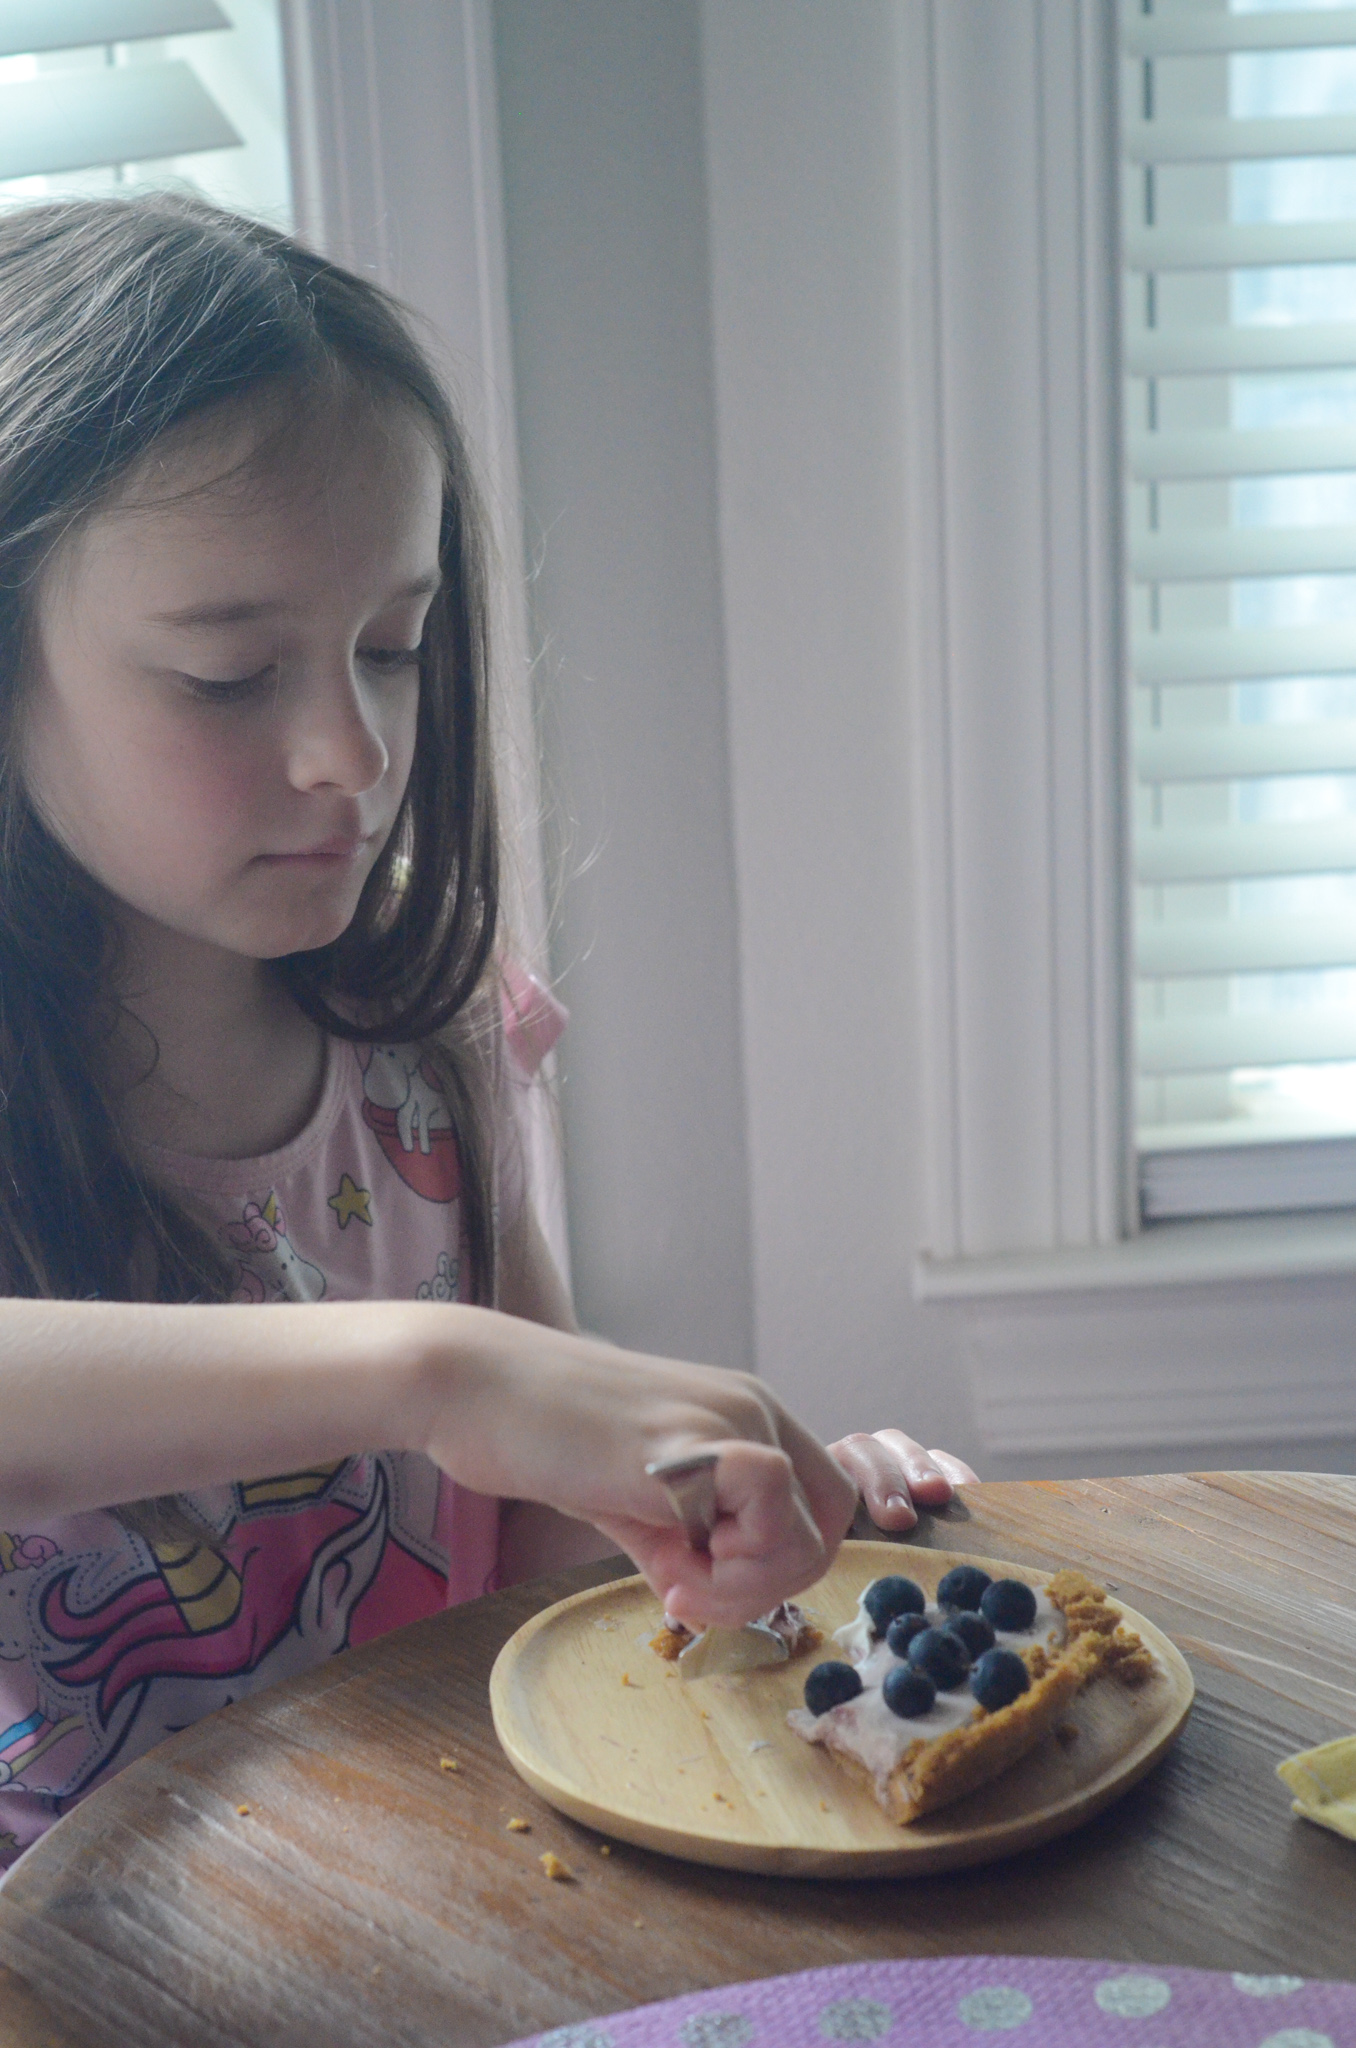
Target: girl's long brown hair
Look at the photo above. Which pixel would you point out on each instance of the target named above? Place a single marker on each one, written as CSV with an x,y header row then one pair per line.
x,y
121,319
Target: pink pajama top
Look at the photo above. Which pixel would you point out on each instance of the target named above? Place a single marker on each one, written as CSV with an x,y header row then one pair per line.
x,y
108,1642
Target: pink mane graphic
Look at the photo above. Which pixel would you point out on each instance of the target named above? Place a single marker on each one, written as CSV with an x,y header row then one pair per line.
x,y
305,1588
141,1633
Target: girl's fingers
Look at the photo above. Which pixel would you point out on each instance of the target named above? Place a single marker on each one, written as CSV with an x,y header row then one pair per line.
x,y
928,1485
880,1479
895,1475
956,1470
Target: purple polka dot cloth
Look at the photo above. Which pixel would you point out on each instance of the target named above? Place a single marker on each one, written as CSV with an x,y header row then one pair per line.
x,y
956,2001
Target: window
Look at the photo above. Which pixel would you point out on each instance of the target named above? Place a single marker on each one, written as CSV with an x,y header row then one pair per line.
x,y
1239,190
98,95
1026,148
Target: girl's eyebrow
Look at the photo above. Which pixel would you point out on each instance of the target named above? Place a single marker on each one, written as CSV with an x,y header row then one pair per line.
x,y
234,611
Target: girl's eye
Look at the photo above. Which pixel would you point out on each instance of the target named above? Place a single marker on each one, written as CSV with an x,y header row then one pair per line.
x,y
227,690
391,659
237,689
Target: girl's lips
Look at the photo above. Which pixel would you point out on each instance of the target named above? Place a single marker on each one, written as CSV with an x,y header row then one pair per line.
x,y
335,851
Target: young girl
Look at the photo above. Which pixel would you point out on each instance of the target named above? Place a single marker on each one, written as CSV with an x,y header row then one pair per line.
x,y
252,1046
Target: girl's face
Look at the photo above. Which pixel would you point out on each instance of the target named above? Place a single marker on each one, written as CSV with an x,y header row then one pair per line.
x,y
221,716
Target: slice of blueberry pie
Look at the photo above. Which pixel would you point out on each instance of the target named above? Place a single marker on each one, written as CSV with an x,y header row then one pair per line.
x,y
932,1699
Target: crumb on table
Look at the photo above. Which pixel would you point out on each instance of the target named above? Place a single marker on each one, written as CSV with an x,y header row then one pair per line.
x,y
448,1763
519,1827
605,1848
555,1868
242,1809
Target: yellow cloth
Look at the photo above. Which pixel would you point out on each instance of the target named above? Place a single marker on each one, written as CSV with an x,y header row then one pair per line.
x,y
1323,1781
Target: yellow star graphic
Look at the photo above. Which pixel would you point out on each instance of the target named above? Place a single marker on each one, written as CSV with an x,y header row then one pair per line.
x,y
351,1201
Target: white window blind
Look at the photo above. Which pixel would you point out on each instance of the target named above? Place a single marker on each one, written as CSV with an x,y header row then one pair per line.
x,y
98,94
1239,189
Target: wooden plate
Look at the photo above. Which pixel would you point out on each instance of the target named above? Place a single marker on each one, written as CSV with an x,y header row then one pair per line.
x,y
708,1770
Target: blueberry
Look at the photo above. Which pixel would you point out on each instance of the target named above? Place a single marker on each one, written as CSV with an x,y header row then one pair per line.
x,y
908,1692
998,1678
884,1599
964,1586
943,1656
829,1685
1009,1604
974,1631
902,1631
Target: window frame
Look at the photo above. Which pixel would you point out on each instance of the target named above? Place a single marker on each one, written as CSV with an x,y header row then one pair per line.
x,y
1020,662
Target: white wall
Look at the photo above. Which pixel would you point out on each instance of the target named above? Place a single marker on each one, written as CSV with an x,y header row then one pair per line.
x,y
805,199
600,115
707,288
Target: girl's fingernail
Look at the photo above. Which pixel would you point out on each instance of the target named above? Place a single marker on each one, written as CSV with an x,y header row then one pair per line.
x,y
897,1504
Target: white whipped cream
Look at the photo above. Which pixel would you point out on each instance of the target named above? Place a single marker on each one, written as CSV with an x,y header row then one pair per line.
x,y
867,1728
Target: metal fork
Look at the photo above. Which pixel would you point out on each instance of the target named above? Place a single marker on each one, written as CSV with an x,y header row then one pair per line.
x,y
690,1483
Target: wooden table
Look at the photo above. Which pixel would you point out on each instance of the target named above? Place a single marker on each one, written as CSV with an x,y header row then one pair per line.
x,y
370,1898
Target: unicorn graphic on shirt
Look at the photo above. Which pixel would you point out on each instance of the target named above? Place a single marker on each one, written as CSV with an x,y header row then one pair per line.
x,y
393,1079
405,1110
271,1267
143,1663
110,1641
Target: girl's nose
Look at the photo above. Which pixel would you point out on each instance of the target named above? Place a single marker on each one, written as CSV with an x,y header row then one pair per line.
x,y
336,740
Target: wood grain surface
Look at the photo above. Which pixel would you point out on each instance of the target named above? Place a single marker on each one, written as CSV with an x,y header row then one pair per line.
x,y
371,1900
611,1735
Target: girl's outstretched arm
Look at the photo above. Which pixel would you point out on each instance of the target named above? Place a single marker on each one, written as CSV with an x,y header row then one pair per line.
x,y
107,1401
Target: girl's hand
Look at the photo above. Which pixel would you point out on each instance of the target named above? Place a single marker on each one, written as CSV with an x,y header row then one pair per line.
x,y
767,1543
895,1476
572,1422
